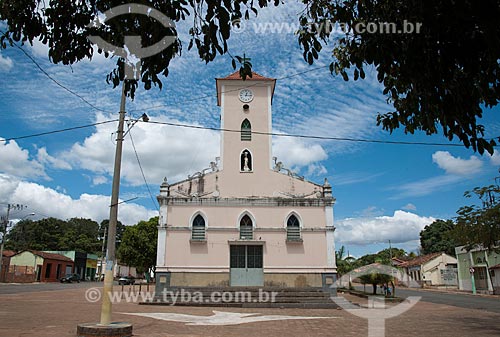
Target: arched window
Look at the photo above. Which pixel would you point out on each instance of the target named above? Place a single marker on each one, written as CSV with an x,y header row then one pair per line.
x,y
246,130
293,228
198,228
246,228
246,161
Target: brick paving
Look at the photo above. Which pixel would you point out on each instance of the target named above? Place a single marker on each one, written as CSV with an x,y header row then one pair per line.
x,y
57,313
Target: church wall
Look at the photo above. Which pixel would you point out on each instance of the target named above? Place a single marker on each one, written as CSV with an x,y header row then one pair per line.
x,y
213,255
264,217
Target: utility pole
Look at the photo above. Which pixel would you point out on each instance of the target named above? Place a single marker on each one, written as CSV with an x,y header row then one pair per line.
x,y
113,218
4,232
113,214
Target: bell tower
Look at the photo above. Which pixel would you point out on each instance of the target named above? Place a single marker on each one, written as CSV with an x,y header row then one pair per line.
x,y
246,112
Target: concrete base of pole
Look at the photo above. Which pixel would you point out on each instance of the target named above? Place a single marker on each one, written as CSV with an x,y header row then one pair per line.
x,y
115,329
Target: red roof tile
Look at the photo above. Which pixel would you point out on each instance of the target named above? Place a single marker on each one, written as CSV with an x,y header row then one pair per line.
x,y
8,253
255,77
51,256
420,260
497,266
236,77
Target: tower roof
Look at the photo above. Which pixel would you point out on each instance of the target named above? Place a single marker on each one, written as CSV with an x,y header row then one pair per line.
x,y
236,77
255,77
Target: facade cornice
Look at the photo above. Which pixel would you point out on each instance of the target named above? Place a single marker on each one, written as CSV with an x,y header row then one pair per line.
x,y
247,202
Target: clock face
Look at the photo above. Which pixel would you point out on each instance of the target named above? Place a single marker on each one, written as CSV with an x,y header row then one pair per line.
x,y
246,95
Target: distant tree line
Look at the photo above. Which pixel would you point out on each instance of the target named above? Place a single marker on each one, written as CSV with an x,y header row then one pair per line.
x,y
475,225
136,245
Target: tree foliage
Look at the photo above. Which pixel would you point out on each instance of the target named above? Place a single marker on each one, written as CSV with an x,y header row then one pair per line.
x,y
54,234
345,264
440,77
438,237
138,246
480,224
103,230
375,279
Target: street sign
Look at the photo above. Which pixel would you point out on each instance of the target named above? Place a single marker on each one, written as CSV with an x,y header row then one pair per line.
x,y
471,269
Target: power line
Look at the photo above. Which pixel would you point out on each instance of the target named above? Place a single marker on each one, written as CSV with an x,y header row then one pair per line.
x,y
228,91
378,141
57,131
346,139
142,171
53,79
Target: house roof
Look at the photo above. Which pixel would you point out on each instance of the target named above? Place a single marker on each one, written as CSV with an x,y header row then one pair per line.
x,y
497,266
8,253
236,77
397,262
50,256
420,260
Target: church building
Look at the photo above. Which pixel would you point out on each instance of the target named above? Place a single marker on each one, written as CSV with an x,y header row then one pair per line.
x,y
246,220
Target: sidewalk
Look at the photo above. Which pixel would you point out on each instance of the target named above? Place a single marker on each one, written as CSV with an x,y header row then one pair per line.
x,y
57,313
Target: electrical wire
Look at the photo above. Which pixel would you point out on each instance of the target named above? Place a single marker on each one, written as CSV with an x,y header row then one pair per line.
x,y
142,171
57,131
345,139
53,79
227,91
378,141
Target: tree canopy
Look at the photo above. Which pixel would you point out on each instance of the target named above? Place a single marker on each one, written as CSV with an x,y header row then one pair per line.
x,y
138,246
438,237
54,234
439,76
480,224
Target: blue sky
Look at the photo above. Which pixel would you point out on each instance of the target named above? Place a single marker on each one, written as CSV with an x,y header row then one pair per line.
x,y
384,192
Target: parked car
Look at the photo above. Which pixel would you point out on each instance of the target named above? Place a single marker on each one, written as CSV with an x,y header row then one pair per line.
x,y
69,278
124,280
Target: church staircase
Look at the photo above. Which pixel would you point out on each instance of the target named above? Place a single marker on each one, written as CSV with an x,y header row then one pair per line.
x,y
245,297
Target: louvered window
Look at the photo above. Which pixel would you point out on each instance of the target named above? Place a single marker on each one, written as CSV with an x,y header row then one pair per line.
x,y
293,229
246,130
246,228
198,230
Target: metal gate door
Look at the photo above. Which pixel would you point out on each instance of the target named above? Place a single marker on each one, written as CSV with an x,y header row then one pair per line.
x,y
246,265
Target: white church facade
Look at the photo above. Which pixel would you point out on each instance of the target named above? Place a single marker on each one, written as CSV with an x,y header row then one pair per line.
x,y
246,220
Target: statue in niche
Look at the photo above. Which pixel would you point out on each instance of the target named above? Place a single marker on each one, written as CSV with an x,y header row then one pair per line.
x,y
246,162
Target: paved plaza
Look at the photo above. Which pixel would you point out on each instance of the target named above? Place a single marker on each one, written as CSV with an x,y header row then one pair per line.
x,y
57,313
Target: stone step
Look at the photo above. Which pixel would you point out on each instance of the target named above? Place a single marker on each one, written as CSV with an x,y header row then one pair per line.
x,y
245,297
311,305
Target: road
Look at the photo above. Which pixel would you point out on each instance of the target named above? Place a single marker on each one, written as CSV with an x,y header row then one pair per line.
x,y
468,301
15,288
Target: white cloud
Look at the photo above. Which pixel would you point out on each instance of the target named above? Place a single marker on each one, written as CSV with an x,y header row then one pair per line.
x,y
427,186
164,151
47,202
409,207
456,165
495,158
17,162
6,63
399,228
99,180
316,170
354,178
294,152
44,158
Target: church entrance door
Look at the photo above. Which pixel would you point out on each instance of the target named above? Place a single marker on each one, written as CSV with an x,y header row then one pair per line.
x,y
246,265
